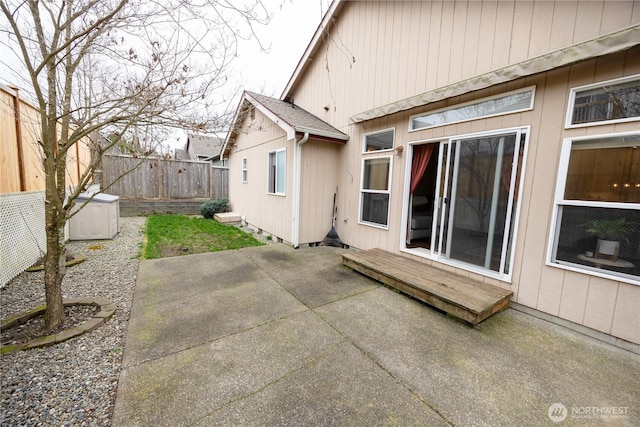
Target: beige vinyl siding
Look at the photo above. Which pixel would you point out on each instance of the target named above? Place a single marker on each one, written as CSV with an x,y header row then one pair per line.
x,y
319,182
578,297
267,212
377,53
381,52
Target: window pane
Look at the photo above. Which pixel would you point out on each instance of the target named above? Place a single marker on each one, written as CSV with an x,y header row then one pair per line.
x,y
608,102
578,241
375,208
281,169
244,169
479,200
379,141
501,105
608,170
376,174
272,172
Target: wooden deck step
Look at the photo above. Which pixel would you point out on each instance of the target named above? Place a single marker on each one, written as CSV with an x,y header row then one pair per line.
x,y
465,298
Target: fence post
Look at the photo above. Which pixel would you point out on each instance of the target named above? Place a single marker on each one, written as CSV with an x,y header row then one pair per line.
x,y
161,172
16,114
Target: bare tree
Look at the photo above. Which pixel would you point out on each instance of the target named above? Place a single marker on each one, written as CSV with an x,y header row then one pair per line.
x,y
124,68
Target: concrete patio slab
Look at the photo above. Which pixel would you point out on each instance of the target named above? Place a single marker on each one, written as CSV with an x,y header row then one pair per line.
x,y
316,279
189,385
266,346
341,387
507,370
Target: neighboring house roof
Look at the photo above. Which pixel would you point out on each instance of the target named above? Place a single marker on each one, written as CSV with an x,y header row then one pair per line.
x,y
203,146
603,45
181,154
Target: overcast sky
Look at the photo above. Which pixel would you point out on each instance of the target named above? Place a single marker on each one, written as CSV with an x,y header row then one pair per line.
x,y
288,34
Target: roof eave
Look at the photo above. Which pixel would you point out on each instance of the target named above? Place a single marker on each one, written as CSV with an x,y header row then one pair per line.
x,y
236,117
323,134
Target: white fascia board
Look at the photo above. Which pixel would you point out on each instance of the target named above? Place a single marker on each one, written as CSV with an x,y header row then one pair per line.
x,y
603,45
231,133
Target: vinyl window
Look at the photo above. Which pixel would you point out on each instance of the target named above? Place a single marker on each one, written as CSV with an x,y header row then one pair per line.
x,y
277,171
597,207
608,102
375,191
507,103
244,170
379,141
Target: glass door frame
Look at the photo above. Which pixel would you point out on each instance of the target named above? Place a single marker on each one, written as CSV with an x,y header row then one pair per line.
x,y
439,211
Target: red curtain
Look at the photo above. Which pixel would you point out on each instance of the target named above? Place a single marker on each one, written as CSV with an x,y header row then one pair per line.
x,y
421,155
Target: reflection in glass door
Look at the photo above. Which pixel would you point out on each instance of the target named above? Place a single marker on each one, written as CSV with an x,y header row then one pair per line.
x,y
478,183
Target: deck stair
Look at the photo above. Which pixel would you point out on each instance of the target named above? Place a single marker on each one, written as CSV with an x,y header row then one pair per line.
x,y
460,296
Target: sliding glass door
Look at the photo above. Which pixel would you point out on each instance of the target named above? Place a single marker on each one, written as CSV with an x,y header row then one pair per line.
x,y
477,197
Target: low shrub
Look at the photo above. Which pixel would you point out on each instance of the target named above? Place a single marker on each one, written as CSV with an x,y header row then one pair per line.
x,y
212,207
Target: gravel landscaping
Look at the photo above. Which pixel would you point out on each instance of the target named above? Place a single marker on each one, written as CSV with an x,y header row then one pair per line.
x,y
73,383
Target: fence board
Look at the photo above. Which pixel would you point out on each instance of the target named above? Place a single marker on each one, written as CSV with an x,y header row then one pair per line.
x,y
130,177
153,178
186,180
21,151
220,182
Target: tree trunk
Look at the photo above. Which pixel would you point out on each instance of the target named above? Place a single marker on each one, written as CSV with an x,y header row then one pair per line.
x,y
55,268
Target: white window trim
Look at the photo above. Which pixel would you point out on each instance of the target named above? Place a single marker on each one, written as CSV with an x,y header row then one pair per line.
x,y
531,89
572,100
269,171
361,191
431,254
559,200
244,171
364,141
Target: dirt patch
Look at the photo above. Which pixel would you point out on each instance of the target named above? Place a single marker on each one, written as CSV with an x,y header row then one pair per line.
x,y
169,251
34,327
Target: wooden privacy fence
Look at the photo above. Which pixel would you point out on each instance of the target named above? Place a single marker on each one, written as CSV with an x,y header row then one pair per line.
x,y
156,178
220,182
20,155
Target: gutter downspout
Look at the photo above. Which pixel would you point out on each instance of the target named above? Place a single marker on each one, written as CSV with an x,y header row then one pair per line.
x,y
297,171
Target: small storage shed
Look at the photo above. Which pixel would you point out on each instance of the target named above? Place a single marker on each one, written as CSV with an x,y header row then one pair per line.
x,y
98,219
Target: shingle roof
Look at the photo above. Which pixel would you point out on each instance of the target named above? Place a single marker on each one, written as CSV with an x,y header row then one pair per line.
x,y
203,145
181,154
298,118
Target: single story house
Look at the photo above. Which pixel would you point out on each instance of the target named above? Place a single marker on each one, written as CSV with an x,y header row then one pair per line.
x,y
498,140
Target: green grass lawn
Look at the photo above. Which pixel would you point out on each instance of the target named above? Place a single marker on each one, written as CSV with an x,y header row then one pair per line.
x,y
172,235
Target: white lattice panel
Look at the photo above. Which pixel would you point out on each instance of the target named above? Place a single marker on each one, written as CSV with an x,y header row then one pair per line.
x,y
22,233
